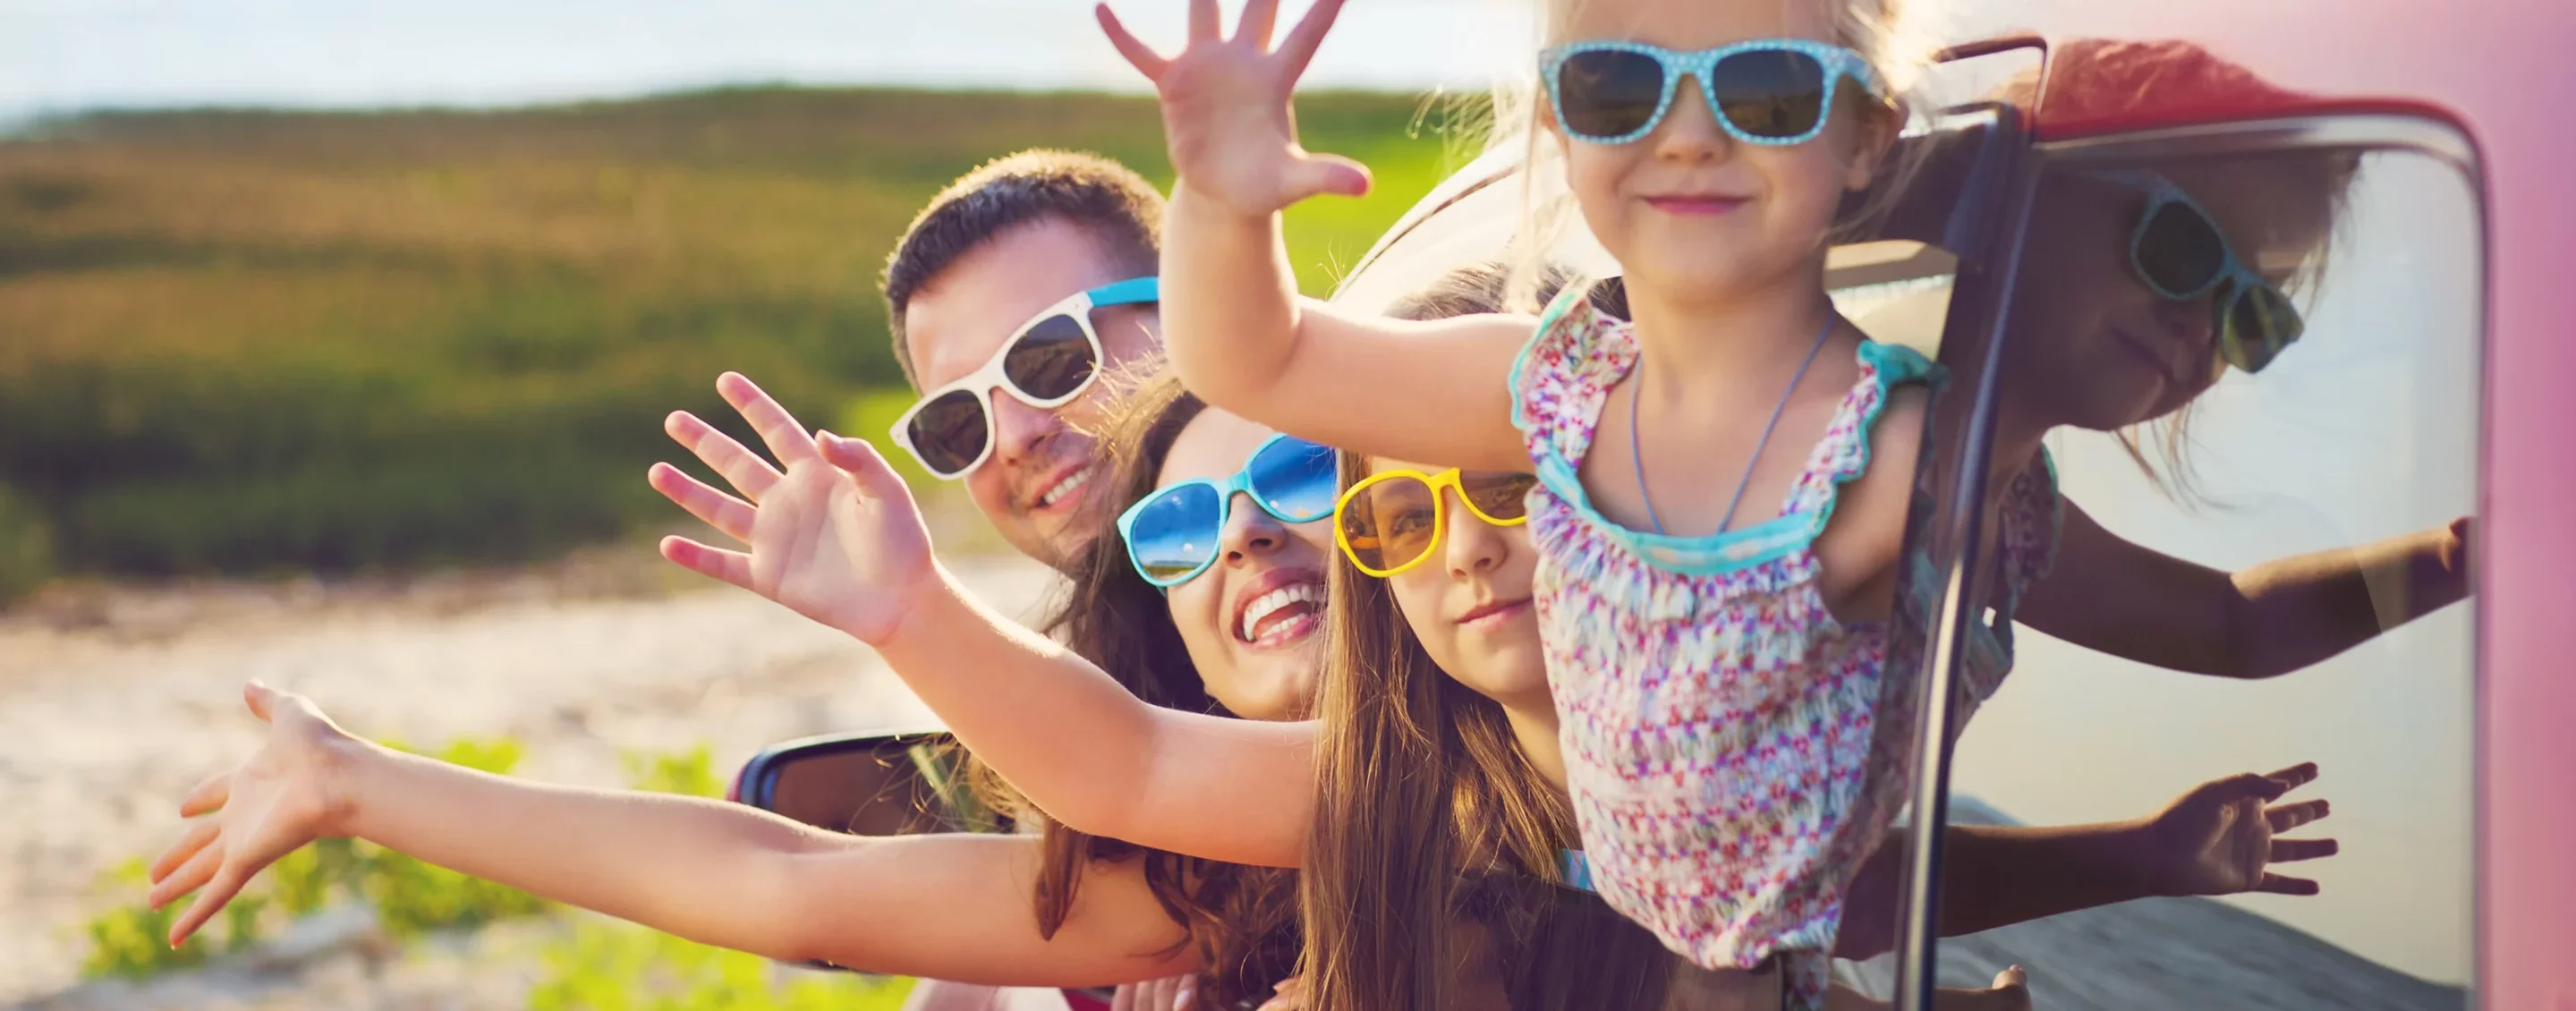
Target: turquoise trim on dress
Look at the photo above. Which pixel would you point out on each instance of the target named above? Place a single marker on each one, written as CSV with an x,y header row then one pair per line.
x,y
1719,554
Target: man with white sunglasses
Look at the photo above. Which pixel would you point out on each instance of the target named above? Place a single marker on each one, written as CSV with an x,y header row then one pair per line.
x,y
1015,289
1009,295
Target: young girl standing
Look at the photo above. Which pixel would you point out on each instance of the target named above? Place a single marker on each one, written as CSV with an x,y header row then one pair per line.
x,y
1715,660
1732,745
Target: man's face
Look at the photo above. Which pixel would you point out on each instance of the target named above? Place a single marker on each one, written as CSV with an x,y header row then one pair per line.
x,y
1033,487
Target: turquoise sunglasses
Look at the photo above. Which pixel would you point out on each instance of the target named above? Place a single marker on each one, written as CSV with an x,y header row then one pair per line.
x,y
1762,91
1173,534
2178,252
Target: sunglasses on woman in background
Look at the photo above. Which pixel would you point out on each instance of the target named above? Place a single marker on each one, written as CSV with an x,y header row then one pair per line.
x,y
2178,252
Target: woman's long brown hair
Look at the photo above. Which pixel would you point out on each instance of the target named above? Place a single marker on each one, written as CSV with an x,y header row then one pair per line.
x,y
1242,920
1428,818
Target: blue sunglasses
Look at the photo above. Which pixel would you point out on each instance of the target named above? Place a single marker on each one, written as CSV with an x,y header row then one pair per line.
x,y
1762,91
1172,535
2178,252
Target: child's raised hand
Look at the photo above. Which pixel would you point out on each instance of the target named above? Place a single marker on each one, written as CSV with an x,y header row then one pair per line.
x,y
278,800
1226,113
836,537
2219,839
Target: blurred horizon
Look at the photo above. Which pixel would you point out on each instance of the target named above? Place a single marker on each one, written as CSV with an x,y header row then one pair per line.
x,y
60,58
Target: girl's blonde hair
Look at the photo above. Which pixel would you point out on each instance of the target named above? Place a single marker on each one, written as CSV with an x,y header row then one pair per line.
x,y
1892,35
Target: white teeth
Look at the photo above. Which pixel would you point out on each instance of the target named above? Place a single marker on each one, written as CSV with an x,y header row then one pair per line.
x,y
1272,602
1064,488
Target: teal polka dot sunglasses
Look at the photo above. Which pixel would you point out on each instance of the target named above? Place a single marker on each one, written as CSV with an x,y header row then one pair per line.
x,y
1762,91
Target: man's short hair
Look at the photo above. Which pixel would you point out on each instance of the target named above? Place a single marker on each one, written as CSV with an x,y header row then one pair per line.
x,y
1117,207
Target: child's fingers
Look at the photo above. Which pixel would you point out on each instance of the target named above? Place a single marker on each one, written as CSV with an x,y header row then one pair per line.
x,y
2289,816
724,512
190,876
1299,47
1326,173
2287,850
2295,776
190,842
1138,54
1204,21
1258,18
731,566
787,440
209,794
740,467
2281,884
2242,786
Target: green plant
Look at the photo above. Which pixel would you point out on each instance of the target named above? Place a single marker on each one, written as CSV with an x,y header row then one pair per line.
x,y
129,942
26,547
689,773
608,966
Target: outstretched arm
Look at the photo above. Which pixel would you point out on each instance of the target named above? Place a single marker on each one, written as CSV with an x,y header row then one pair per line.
x,y
951,906
837,538
1233,324
2118,597
2217,839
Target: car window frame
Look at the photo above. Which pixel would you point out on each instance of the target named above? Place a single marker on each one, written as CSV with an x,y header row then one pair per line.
x,y
1951,535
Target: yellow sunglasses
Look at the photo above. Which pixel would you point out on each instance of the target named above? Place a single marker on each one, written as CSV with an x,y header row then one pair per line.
x,y
1392,521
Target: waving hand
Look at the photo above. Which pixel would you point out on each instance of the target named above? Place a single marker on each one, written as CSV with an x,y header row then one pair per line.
x,y
1226,114
835,536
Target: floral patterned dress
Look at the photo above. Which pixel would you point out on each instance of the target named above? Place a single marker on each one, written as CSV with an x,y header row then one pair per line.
x,y
1731,748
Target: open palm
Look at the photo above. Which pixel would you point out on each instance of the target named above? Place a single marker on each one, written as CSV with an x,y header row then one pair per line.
x,y
835,537
263,809
2221,838
1226,113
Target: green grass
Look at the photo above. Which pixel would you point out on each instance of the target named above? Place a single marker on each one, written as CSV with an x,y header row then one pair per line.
x,y
242,342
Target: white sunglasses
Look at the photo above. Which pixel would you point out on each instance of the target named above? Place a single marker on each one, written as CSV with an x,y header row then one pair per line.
x,y
1049,361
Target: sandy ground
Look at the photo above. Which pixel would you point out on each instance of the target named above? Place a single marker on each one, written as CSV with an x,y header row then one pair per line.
x,y
114,701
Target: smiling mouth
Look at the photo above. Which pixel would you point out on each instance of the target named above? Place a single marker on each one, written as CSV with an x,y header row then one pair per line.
x,y
1062,490
1281,616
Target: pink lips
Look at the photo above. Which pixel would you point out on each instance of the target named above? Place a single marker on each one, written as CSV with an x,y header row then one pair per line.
x,y
1495,613
1696,205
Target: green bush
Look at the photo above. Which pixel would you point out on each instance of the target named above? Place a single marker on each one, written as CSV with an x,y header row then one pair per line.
x,y
26,548
610,966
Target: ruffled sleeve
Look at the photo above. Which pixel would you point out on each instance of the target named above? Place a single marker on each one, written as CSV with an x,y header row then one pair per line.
x,y
1561,379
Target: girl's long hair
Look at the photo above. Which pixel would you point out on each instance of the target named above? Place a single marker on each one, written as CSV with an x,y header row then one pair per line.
x,y
1433,852
1242,920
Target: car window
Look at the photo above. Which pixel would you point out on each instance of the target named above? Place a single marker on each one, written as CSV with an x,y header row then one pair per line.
x,y
2357,440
